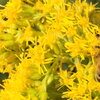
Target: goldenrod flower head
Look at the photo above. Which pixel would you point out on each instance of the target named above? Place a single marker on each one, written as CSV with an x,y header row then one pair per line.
x,y
47,50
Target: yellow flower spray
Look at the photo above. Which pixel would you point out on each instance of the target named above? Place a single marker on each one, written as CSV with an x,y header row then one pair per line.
x,y
47,50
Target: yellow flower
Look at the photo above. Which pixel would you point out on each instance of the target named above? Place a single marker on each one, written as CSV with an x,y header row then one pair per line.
x,y
27,35
37,55
12,10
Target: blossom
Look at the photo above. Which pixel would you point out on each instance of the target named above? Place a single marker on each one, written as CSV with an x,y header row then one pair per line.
x,y
48,50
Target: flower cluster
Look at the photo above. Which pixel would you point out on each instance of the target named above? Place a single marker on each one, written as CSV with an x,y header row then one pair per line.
x,y
47,50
